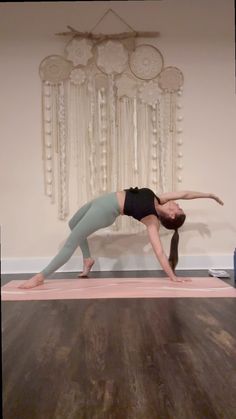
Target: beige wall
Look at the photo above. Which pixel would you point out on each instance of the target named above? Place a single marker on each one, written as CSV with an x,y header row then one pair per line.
x,y
197,37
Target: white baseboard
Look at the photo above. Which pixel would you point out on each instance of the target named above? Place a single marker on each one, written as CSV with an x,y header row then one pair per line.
x,y
129,263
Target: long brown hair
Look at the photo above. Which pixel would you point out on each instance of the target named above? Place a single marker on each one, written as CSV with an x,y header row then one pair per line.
x,y
173,224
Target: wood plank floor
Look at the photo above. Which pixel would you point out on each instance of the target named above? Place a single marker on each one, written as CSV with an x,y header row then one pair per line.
x,y
119,359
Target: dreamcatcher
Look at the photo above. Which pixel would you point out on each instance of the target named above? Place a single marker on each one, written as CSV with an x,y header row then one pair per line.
x,y
113,107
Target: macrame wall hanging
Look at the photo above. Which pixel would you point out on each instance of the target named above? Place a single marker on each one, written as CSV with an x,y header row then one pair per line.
x,y
111,107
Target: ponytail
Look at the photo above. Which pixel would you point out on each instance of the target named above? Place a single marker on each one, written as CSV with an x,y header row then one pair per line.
x,y
173,258
173,224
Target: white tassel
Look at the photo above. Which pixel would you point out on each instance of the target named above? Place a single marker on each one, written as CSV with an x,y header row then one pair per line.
x,y
113,139
91,136
62,158
47,138
154,148
135,136
102,118
163,144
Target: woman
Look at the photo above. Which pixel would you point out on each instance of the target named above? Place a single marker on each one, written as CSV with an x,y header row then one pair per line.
x,y
141,204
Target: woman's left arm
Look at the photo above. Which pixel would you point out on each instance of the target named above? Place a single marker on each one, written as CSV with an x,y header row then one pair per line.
x,y
173,196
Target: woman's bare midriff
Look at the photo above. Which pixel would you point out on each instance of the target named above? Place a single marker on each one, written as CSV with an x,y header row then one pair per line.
x,y
121,200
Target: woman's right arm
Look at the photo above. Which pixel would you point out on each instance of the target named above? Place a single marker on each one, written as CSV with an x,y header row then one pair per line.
x,y
153,234
155,241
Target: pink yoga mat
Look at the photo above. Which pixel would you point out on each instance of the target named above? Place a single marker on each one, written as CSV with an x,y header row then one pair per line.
x,y
63,289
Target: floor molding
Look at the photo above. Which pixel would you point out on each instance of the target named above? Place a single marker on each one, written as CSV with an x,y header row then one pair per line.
x,y
131,262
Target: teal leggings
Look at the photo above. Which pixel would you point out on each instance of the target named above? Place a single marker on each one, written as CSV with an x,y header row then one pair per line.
x,y
99,213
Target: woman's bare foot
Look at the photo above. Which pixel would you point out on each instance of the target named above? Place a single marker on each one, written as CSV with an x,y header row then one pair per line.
x,y
35,281
88,263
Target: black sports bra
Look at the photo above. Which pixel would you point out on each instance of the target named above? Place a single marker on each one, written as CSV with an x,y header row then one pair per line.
x,y
140,202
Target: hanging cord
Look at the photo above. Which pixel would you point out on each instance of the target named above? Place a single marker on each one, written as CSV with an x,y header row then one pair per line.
x,y
116,14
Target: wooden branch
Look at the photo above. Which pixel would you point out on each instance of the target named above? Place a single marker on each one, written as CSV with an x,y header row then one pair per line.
x,y
101,37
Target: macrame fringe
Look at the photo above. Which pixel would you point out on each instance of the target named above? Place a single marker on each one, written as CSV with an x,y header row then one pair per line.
x,y
117,129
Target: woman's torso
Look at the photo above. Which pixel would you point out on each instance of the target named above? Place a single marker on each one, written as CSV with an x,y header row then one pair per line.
x,y
143,201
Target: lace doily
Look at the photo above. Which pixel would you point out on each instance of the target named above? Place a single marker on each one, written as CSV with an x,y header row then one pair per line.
x,y
171,79
55,69
77,76
79,51
126,86
146,62
112,57
149,93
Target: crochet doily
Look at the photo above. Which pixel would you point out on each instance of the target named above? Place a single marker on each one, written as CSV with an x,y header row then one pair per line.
x,y
149,93
146,62
112,57
79,51
171,79
77,76
126,86
55,69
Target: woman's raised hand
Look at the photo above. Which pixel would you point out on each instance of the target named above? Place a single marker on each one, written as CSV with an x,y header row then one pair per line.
x,y
217,199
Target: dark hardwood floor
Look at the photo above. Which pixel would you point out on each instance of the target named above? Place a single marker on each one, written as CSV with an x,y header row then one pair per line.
x,y
119,359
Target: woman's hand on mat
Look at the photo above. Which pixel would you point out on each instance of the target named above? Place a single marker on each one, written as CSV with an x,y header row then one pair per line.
x,y
217,199
181,279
